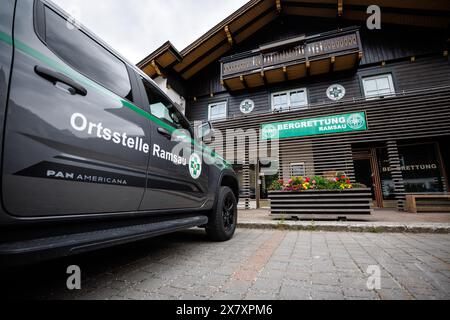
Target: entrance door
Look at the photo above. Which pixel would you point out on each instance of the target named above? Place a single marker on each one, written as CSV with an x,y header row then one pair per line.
x,y
366,172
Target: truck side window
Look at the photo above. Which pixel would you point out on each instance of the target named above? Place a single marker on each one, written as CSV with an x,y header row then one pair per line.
x,y
84,54
163,109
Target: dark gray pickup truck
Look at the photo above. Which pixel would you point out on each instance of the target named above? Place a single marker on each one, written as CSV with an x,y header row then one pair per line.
x,y
93,153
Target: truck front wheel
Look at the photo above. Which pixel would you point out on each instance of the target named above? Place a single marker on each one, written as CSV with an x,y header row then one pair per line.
x,y
223,220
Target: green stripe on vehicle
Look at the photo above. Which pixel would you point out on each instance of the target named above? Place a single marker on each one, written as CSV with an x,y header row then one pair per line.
x,y
6,38
92,84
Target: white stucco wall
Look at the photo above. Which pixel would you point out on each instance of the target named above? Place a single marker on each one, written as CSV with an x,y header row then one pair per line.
x,y
177,98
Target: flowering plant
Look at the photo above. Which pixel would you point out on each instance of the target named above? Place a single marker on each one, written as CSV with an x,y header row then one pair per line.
x,y
299,183
343,182
277,185
340,182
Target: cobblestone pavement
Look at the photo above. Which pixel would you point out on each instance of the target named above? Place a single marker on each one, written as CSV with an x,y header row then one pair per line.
x,y
378,215
256,264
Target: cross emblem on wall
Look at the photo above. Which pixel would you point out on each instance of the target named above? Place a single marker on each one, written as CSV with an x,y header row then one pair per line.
x,y
247,106
336,92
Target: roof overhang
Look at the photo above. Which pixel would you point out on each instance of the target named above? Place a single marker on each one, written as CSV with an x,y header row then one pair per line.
x,y
258,13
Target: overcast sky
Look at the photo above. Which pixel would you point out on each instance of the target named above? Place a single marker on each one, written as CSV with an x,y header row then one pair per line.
x,y
135,28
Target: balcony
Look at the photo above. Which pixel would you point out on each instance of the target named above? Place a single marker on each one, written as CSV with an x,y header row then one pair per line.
x,y
292,59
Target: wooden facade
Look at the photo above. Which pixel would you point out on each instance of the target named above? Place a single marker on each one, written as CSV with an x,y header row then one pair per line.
x,y
273,46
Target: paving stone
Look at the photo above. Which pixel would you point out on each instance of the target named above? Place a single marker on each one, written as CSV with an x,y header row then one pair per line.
x,y
191,296
272,274
151,284
394,294
276,265
354,294
225,270
327,295
389,283
159,296
325,279
305,285
327,288
298,276
134,277
227,296
205,290
172,292
267,285
214,280
138,295
294,293
236,287
257,295
354,283
256,264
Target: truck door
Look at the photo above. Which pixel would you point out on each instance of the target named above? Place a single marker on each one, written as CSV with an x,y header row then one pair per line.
x,y
74,144
176,180
6,52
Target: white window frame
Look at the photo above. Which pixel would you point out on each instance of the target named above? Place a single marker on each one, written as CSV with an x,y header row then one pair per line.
x,y
210,106
378,76
297,164
288,94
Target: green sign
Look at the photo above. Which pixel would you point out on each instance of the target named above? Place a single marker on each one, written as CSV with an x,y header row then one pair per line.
x,y
341,123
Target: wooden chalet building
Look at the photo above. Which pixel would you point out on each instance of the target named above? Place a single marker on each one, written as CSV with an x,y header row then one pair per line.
x,y
286,63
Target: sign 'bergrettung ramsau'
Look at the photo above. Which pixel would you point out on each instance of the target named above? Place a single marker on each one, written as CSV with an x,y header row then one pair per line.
x,y
341,123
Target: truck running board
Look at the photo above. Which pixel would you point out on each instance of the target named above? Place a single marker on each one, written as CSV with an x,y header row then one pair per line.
x,y
16,253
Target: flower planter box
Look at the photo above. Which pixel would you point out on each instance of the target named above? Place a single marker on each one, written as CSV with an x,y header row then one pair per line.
x,y
320,203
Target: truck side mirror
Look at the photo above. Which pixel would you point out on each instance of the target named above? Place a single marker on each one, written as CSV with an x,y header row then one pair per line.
x,y
205,132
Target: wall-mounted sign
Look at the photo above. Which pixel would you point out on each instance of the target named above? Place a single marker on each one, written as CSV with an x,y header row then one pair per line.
x,y
415,167
336,92
341,123
247,106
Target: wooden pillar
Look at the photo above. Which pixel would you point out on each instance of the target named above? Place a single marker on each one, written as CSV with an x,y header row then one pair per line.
x,y
257,185
246,177
396,174
246,183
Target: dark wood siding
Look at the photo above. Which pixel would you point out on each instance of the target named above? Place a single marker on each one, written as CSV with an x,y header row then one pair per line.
x,y
396,43
390,43
419,115
426,72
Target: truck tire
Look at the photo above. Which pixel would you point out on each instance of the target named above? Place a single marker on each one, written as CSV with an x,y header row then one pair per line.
x,y
223,220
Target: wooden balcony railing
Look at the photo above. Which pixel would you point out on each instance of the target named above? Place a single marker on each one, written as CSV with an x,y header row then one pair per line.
x,y
290,52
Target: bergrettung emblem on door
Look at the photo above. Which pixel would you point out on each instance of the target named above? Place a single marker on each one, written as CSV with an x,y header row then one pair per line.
x,y
195,166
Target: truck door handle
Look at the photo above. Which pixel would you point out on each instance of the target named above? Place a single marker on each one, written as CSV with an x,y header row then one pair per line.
x,y
164,133
54,77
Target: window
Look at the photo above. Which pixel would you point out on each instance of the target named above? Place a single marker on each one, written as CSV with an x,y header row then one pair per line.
x,y
87,56
217,111
378,86
163,109
298,169
288,100
421,169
